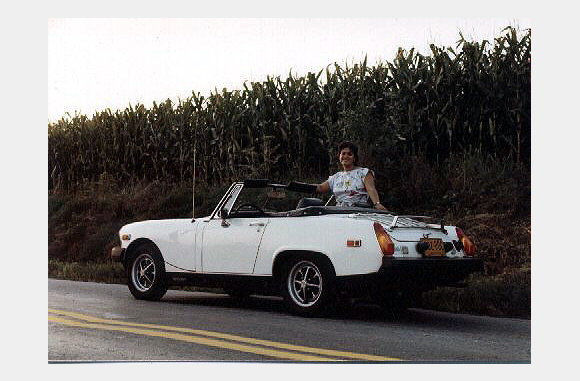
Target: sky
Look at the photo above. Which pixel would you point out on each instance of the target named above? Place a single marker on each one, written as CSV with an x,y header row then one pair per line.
x,y
97,63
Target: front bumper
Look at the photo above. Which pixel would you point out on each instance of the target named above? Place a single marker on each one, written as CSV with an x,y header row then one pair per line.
x,y
117,254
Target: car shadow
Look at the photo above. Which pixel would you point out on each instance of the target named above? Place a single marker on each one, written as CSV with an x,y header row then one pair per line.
x,y
257,303
350,311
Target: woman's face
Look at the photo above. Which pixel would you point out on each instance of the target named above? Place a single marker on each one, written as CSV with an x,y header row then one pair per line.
x,y
346,157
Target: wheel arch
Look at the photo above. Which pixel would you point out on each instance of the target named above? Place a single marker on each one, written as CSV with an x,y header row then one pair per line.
x,y
284,256
134,245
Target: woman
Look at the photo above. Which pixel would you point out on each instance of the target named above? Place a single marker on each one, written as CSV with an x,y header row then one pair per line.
x,y
354,185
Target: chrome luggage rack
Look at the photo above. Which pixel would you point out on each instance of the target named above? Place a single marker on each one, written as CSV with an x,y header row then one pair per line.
x,y
406,221
410,222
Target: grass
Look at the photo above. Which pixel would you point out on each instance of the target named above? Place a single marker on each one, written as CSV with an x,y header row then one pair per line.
x,y
87,272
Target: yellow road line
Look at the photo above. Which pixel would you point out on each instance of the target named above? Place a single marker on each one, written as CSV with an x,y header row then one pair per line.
x,y
194,339
300,348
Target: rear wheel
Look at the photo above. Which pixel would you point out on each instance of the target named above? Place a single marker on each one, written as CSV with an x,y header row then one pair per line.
x,y
307,286
146,273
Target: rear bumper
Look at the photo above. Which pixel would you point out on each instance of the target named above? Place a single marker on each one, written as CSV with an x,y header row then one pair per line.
x,y
420,274
428,272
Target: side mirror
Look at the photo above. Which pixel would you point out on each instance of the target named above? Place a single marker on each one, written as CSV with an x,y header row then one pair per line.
x,y
224,213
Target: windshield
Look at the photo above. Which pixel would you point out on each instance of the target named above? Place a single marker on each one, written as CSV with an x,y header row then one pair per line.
x,y
268,199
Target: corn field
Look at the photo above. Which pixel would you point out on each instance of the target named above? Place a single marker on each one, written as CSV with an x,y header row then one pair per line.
x,y
473,98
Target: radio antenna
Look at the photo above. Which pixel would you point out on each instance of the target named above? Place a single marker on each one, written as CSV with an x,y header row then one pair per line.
x,y
193,196
193,187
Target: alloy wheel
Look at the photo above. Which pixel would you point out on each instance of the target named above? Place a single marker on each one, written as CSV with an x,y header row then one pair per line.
x,y
305,283
143,272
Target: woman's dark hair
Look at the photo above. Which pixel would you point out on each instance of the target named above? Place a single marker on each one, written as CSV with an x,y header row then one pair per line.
x,y
352,147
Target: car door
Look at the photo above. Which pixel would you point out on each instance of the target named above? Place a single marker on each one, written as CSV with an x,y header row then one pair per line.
x,y
231,248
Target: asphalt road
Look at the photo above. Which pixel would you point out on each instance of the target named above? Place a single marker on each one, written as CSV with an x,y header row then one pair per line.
x,y
102,322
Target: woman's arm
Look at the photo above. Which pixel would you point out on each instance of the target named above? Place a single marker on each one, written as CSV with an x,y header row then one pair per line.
x,y
372,191
308,188
323,188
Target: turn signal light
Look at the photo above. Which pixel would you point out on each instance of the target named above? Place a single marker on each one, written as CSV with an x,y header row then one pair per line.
x,y
386,244
468,246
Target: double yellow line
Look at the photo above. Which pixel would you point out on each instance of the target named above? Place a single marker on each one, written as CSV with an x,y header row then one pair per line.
x,y
213,339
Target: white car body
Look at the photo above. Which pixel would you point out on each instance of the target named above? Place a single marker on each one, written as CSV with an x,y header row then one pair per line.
x,y
247,247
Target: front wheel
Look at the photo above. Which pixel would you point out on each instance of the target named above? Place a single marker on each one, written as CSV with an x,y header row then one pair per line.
x,y
146,273
308,286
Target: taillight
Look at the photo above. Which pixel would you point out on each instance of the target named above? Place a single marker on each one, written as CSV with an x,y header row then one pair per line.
x,y
386,244
468,246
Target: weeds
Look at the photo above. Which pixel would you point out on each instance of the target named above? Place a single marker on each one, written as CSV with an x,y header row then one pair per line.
x,y
87,271
502,295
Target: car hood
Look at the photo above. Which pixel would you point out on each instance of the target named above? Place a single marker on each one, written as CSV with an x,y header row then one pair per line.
x,y
154,224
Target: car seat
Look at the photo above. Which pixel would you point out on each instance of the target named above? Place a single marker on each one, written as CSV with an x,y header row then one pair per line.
x,y
309,201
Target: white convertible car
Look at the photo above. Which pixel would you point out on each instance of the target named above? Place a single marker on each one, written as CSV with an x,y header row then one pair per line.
x,y
311,254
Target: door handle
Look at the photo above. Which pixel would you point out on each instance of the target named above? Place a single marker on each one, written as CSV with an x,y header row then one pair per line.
x,y
257,224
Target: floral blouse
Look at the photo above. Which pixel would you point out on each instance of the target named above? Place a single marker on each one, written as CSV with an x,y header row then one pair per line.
x,y
349,187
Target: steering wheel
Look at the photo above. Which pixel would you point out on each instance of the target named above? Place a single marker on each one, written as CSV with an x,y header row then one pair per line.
x,y
249,205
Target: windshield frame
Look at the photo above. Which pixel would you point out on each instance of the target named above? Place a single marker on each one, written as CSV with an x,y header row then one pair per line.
x,y
229,198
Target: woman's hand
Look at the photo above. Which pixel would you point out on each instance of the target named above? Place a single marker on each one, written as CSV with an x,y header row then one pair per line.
x,y
380,206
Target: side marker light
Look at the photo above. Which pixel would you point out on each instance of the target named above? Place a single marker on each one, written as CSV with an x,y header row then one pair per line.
x,y
353,243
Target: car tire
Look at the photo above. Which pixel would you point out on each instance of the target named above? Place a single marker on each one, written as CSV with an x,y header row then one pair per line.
x,y
308,286
146,273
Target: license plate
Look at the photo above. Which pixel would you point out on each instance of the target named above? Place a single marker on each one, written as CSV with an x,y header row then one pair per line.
x,y
435,249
